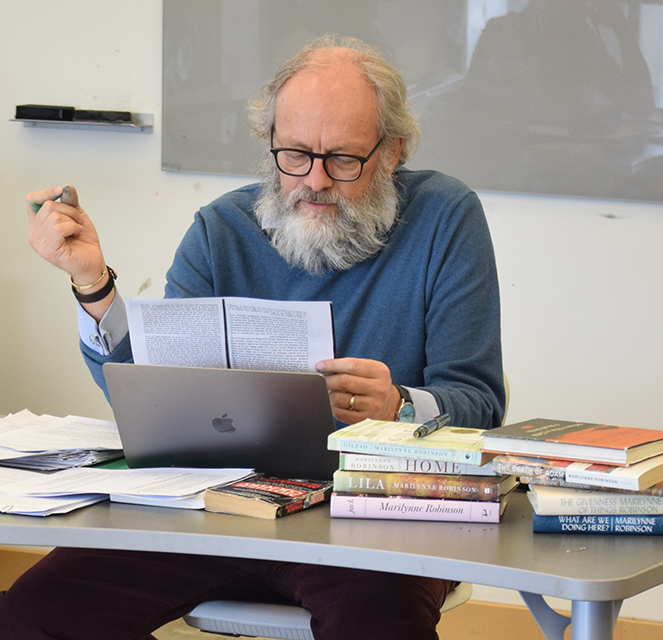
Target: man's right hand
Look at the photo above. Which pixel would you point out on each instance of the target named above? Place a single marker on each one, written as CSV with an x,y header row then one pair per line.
x,y
62,233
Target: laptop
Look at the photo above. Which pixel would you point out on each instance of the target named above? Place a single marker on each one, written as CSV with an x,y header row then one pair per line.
x,y
274,422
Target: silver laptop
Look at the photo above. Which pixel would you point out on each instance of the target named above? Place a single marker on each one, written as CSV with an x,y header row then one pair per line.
x,y
274,422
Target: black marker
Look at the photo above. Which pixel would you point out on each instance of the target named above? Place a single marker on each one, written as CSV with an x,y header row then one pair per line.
x,y
431,425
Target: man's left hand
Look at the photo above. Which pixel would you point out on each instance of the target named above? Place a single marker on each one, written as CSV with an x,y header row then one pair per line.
x,y
360,389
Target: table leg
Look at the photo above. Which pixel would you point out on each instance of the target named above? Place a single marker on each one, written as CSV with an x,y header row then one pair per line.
x,y
588,620
551,623
593,620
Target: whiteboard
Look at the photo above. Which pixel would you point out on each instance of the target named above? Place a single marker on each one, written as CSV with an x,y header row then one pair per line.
x,y
535,96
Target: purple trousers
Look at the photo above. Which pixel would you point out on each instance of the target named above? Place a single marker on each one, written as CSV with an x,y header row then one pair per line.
x,y
90,594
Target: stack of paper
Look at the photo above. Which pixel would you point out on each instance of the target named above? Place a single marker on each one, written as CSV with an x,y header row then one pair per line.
x,y
33,493
47,443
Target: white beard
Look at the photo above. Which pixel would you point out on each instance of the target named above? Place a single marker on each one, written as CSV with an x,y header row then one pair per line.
x,y
357,231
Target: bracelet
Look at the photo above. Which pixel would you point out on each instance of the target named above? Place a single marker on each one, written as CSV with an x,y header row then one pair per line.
x,y
97,295
82,287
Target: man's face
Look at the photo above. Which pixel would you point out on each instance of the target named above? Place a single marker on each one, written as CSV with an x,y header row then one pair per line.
x,y
329,110
315,222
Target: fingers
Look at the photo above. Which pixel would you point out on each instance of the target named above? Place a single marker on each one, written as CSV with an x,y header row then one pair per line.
x,y
61,233
36,200
70,196
358,389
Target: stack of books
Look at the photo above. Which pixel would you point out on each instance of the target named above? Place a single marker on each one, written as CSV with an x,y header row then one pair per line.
x,y
386,472
585,477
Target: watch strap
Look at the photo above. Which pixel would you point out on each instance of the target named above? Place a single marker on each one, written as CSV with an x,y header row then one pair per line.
x,y
87,298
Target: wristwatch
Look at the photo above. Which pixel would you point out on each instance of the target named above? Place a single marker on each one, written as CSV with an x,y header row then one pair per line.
x,y
405,412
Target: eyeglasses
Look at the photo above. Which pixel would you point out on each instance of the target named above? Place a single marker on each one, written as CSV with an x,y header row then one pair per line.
x,y
338,166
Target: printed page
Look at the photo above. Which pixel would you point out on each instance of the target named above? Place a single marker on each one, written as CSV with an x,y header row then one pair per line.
x,y
262,334
186,332
160,481
278,335
31,506
61,434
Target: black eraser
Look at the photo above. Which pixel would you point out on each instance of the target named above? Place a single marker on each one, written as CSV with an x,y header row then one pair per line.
x,y
44,112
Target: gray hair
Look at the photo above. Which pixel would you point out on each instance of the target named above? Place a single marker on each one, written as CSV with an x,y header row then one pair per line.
x,y
395,118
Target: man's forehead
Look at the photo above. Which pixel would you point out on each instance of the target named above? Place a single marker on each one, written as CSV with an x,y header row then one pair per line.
x,y
333,98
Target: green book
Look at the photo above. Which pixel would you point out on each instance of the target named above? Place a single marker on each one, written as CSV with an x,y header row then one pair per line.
x,y
449,444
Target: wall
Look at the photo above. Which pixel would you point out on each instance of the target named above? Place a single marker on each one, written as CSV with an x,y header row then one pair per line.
x,y
580,279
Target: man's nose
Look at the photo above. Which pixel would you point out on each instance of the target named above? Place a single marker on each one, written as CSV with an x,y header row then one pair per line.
x,y
317,179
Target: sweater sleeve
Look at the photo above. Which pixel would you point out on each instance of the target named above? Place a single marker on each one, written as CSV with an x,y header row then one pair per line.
x,y
463,336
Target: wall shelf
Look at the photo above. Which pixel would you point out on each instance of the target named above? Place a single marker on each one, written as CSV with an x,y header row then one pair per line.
x,y
140,123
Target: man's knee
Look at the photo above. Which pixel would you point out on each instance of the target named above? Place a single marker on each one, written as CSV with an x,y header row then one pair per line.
x,y
346,603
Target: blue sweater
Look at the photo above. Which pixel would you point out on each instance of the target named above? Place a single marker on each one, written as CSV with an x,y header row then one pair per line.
x,y
427,305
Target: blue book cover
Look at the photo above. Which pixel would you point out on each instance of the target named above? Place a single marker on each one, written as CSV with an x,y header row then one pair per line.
x,y
614,524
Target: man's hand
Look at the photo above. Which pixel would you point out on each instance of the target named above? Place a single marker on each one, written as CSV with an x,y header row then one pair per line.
x,y
360,389
62,233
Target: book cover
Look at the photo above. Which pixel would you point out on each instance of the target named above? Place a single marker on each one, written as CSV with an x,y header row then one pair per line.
x,y
635,477
560,501
449,444
368,462
266,497
625,525
345,505
577,441
424,485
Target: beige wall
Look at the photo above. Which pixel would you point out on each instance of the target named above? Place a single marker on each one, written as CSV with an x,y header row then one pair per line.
x,y
580,279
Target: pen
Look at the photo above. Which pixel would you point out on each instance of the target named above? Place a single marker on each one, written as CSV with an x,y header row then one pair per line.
x,y
431,425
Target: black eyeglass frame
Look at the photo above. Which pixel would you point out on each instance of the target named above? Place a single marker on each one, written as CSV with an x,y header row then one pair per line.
x,y
324,157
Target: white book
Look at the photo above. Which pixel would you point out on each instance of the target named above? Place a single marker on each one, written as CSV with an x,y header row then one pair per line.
x,y
388,464
561,501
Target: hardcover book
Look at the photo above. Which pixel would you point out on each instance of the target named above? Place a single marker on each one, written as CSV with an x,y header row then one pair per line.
x,y
626,525
368,462
346,505
424,485
266,497
577,441
448,444
636,477
560,501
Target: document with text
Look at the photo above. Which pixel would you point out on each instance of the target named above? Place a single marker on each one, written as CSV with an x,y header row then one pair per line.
x,y
231,333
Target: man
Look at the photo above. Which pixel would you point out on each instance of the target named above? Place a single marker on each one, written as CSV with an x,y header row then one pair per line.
x,y
407,261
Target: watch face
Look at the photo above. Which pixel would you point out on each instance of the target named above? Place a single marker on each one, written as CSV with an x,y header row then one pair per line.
x,y
406,414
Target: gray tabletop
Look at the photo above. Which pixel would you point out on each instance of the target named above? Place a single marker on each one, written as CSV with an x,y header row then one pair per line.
x,y
509,555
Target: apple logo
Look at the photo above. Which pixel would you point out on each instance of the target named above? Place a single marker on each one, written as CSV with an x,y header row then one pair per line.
x,y
223,424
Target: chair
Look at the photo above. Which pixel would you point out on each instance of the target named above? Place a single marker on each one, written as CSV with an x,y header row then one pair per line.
x,y
231,618
290,622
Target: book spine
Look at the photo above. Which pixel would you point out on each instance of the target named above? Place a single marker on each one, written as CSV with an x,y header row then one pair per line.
x,y
417,485
600,503
630,525
556,482
602,479
360,462
395,508
406,451
513,468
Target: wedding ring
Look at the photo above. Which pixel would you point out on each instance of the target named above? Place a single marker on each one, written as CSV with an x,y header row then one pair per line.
x,y
352,403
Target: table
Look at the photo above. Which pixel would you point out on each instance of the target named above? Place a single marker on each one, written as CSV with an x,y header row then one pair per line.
x,y
595,572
